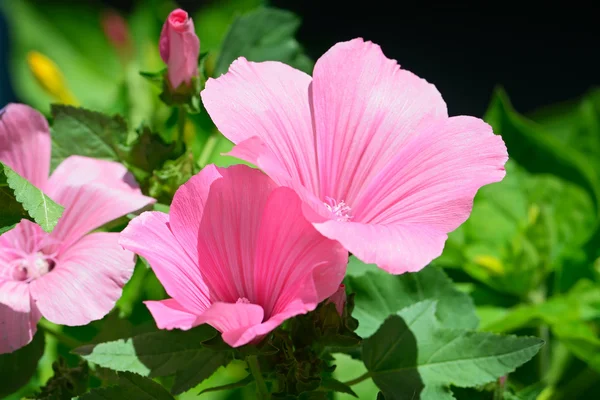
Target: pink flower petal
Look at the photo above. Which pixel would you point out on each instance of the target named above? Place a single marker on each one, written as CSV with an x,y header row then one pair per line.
x,y
25,142
188,206
269,100
150,236
293,261
365,110
240,323
86,282
169,314
433,179
394,248
228,232
93,193
256,152
426,191
18,316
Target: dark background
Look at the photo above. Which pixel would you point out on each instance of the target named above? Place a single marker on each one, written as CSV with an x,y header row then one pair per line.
x,y
541,56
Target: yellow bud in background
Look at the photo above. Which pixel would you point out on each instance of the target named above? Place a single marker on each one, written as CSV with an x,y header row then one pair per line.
x,y
50,78
490,263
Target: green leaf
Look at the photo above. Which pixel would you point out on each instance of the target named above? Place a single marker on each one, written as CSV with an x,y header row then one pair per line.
x,y
580,304
336,386
538,151
379,294
130,386
521,229
198,368
77,131
413,356
164,353
20,199
261,35
576,124
19,366
150,354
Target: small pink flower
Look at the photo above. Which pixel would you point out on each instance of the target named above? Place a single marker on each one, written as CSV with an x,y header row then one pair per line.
x,y
179,48
69,276
116,30
368,146
339,299
235,252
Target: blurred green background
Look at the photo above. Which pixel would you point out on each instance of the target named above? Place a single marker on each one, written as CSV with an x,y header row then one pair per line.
x,y
529,254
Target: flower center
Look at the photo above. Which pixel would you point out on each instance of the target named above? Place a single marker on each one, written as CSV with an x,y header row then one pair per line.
x,y
339,210
242,300
31,266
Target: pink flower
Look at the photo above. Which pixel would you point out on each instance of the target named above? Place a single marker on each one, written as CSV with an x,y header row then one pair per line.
x,y
368,146
339,299
67,276
179,48
116,30
235,252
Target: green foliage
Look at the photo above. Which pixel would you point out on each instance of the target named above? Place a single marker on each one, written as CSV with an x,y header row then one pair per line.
x,y
77,131
66,382
129,386
378,295
262,35
164,353
413,354
539,151
20,199
520,230
18,367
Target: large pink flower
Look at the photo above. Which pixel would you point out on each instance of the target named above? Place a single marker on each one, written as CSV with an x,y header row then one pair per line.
x,y
67,276
367,145
236,252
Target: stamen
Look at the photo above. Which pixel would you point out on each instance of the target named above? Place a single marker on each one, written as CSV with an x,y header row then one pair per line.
x,y
242,300
340,210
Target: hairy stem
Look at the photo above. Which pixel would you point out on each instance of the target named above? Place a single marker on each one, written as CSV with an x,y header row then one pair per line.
x,y
262,391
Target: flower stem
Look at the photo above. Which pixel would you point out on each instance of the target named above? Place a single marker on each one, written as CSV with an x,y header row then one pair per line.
x,y
261,387
55,331
208,148
361,378
180,128
538,297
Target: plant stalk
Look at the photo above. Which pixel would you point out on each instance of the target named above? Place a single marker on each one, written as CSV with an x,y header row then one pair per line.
x,y
262,391
55,331
179,142
361,378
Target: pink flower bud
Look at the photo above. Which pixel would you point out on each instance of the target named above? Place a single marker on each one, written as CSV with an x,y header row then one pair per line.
x,y
116,30
339,299
179,48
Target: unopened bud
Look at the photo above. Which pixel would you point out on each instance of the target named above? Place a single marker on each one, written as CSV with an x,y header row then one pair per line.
x,y
179,48
50,78
116,31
